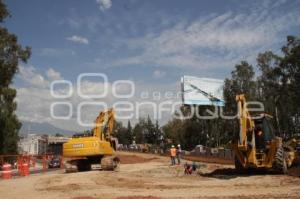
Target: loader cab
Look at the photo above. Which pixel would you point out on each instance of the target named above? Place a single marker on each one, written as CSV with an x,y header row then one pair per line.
x,y
264,130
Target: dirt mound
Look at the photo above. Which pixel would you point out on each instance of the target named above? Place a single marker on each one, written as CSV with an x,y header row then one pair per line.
x,y
133,159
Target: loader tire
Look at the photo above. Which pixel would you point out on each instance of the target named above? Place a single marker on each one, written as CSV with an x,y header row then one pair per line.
x,y
280,161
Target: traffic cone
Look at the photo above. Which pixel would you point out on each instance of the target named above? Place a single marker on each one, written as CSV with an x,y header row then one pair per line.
x,y
6,173
44,163
25,169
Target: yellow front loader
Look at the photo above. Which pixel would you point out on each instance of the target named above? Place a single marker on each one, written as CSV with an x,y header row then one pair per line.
x,y
257,146
95,150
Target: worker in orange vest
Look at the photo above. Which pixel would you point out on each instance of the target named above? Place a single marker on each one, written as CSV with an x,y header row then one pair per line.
x,y
173,155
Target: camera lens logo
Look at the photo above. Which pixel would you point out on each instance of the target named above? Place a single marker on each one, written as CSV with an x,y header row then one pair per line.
x,y
63,90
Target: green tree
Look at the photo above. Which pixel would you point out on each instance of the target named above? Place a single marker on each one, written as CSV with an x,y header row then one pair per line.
x,y
268,84
129,135
241,82
149,131
158,133
58,135
173,130
290,83
138,132
120,132
11,53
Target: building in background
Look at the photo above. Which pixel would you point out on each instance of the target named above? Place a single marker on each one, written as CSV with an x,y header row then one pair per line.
x,y
33,144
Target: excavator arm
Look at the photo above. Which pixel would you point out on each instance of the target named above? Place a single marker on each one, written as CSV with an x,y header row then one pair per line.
x,y
104,124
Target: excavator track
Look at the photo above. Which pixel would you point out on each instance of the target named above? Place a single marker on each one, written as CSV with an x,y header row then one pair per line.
x,y
107,163
110,163
71,166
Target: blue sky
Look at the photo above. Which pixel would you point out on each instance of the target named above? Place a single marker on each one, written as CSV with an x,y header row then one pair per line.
x,y
152,43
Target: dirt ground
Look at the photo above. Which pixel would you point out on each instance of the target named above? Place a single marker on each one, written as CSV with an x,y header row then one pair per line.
x,y
209,159
151,177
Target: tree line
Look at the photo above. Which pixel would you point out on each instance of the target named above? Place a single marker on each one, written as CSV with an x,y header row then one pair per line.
x,y
145,131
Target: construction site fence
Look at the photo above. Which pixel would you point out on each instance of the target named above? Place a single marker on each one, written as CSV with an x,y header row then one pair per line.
x,y
222,153
24,165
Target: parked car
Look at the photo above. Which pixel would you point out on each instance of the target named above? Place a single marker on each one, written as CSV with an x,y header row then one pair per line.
x,y
54,163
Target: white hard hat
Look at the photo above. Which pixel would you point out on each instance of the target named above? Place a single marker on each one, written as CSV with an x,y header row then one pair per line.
x,y
178,145
173,146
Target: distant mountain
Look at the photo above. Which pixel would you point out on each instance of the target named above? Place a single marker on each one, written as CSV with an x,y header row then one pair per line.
x,y
42,128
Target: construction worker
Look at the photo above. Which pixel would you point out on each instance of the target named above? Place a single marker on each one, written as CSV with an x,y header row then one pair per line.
x,y
173,154
259,138
190,168
178,154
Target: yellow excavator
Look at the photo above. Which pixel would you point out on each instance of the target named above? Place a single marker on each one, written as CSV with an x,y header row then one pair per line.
x,y
95,150
257,146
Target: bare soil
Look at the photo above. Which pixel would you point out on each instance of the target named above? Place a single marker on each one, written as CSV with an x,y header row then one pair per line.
x,y
209,159
133,159
295,171
144,176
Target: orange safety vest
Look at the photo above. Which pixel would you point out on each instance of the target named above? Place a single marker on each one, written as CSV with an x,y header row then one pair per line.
x,y
173,152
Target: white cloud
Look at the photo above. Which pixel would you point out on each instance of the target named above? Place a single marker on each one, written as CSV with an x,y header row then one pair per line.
x,y
34,99
158,74
52,74
104,4
33,104
53,52
30,75
78,39
214,40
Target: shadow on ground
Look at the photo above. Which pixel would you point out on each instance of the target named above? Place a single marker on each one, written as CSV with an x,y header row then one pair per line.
x,y
229,173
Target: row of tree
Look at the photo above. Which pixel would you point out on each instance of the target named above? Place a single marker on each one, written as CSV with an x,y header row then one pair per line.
x,y
145,131
275,82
